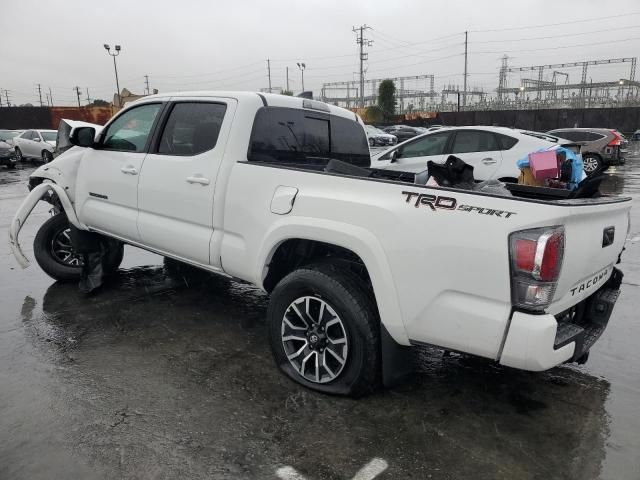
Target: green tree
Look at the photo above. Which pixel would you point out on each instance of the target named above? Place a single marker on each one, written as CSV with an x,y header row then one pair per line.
x,y
387,97
287,92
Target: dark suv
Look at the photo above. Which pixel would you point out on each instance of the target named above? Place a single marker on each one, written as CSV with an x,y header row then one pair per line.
x,y
600,147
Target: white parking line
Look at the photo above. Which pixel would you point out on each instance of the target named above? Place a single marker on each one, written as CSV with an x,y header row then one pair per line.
x,y
370,471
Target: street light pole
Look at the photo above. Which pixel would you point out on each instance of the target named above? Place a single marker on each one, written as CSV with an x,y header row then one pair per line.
x,y
302,66
115,67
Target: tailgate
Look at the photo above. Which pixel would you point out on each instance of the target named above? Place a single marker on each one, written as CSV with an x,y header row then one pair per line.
x,y
595,232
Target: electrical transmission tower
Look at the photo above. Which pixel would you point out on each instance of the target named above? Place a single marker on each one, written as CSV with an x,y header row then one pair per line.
x,y
146,82
363,42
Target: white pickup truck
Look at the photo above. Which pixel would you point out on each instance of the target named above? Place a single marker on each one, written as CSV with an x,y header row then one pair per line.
x,y
277,191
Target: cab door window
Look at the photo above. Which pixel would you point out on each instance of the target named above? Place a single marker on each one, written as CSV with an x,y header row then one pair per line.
x,y
131,130
192,128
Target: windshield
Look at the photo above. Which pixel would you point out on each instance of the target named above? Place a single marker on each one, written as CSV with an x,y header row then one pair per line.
x,y
372,129
6,135
49,136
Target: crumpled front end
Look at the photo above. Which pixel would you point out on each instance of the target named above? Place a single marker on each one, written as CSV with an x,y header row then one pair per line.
x,y
19,219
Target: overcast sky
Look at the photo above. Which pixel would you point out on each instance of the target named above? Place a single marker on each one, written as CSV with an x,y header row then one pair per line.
x,y
187,44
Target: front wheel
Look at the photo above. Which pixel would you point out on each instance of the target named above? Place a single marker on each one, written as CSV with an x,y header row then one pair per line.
x,y
324,330
372,142
47,156
19,157
55,254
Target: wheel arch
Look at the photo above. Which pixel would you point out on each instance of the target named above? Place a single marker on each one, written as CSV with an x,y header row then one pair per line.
x,y
292,246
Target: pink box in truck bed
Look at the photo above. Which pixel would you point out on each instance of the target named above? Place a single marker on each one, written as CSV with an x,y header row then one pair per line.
x,y
543,165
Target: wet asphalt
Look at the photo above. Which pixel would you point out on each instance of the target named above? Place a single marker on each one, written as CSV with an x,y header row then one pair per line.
x,y
164,378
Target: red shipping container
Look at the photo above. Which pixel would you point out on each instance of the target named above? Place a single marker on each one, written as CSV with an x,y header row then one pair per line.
x,y
543,165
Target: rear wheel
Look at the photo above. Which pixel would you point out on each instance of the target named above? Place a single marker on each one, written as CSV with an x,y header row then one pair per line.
x,y
592,164
19,157
47,156
324,330
55,254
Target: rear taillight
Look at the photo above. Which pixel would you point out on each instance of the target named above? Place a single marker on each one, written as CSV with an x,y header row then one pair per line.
x,y
536,259
615,140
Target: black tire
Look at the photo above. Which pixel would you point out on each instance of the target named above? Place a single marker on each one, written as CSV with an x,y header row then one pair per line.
x,y
47,156
372,142
347,295
19,157
592,164
53,266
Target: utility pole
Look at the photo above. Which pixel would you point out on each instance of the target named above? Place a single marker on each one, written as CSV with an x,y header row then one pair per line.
x,y
464,94
40,94
6,96
51,96
360,40
302,66
88,99
269,73
77,89
146,82
287,79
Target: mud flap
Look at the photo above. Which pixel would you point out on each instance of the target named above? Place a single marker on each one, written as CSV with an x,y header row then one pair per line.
x,y
93,251
397,363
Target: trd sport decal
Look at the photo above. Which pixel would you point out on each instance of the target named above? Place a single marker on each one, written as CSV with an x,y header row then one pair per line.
x,y
449,203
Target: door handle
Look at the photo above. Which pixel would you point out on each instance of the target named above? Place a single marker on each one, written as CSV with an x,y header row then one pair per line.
x,y
198,179
129,170
488,161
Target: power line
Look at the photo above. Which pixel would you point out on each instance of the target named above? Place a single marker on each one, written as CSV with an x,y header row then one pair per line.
x,y
591,32
593,19
565,46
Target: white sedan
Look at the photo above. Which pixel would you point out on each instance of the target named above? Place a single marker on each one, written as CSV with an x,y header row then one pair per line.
x,y
492,151
35,144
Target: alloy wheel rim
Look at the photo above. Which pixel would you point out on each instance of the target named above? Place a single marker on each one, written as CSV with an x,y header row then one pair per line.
x,y
63,251
314,339
590,164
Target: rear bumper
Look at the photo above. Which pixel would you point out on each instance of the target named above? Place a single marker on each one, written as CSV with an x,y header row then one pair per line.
x,y
540,342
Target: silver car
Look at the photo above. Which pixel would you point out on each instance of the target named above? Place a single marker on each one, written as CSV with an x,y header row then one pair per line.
x,y
35,144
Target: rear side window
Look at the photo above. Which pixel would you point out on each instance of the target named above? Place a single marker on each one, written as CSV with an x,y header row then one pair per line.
x,y
192,128
474,141
505,142
306,139
593,136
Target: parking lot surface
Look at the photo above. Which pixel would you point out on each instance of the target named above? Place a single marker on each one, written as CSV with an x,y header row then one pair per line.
x,y
160,377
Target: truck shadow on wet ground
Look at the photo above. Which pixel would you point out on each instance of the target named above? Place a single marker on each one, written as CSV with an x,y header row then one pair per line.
x,y
175,376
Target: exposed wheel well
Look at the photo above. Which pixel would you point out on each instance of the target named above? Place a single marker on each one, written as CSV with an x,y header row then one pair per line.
x,y
294,253
509,180
592,154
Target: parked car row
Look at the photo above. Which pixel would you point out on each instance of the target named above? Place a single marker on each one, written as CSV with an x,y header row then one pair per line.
x,y
492,151
19,145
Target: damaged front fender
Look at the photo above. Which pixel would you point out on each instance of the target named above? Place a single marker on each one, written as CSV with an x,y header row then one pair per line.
x,y
27,207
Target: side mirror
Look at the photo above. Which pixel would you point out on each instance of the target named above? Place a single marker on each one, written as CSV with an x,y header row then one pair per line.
x,y
37,139
83,136
395,155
